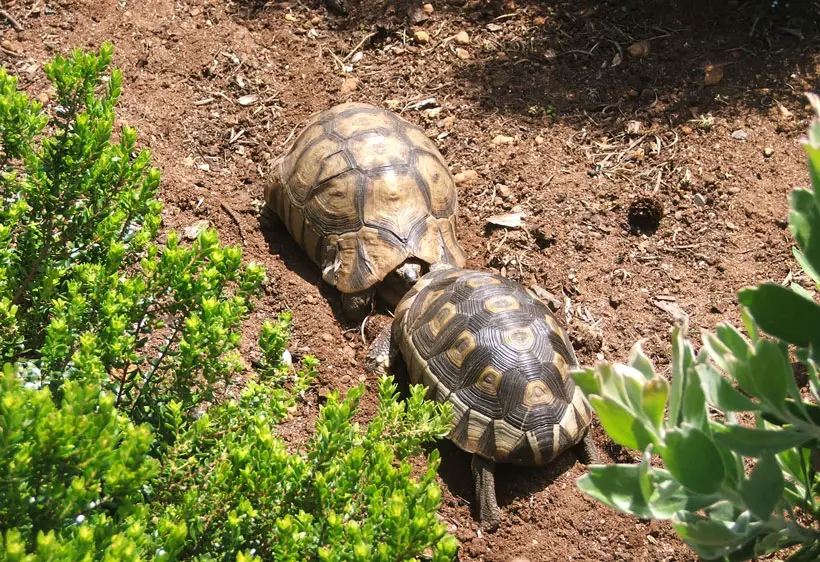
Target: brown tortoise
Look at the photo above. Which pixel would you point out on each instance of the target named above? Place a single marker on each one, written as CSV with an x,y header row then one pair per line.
x,y
371,201
494,351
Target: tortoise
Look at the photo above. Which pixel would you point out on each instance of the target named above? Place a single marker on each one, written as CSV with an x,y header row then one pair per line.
x,y
370,199
495,351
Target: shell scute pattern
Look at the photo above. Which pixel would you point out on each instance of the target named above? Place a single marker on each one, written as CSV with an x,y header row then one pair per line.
x,y
496,353
362,190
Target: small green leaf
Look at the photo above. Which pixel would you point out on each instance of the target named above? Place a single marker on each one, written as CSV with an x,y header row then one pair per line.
x,y
763,490
681,362
653,400
639,361
587,381
768,372
693,459
699,531
720,392
621,424
752,442
783,313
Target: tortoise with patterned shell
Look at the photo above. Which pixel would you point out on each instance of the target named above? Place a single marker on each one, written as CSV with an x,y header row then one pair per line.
x,y
493,350
370,200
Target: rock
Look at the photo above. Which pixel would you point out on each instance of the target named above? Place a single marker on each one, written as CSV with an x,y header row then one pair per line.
x,y
699,199
428,9
247,100
539,20
421,37
466,177
345,379
614,301
463,54
686,130
712,75
768,151
553,302
462,38
639,49
327,337
740,135
494,27
734,190
503,191
290,17
539,140
503,139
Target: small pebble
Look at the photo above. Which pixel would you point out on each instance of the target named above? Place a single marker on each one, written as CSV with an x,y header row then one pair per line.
x,y
503,139
462,38
539,21
768,151
740,135
686,130
467,176
421,37
428,9
539,140
700,201
503,191
290,17
463,54
734,190
327,337
346,379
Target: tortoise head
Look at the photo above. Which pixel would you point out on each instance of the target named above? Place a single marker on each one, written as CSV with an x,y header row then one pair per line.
x,y
401,280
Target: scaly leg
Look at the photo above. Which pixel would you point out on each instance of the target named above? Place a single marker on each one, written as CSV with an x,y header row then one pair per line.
x,y
489,515
383,352
587,451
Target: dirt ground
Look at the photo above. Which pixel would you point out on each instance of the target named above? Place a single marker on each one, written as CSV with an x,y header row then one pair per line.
x,y
566,111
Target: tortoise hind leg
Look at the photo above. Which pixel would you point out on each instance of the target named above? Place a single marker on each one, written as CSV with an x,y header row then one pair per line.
x,y
587,451
356,306
487,511
383,352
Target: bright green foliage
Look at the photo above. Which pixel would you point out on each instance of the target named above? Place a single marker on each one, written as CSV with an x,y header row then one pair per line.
x,y
345,497
118,440
719,506
73,476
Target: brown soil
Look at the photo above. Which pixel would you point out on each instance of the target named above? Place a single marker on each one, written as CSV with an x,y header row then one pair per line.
x,y
604,103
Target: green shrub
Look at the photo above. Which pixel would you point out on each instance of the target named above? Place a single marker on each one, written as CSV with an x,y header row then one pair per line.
x,y
733,490
117,440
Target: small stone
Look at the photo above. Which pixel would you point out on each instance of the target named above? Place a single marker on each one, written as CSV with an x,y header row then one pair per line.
x,y
699,199
740,135
734,190
432,113
712,75
290,17
503,191
42,97
539,140
9,46
768,151
449,122
686,130
421,37
462,38
327,337
467,176
428,9
539,20
463,54
494,27
614,301
639,49
247,100
345,379
503,139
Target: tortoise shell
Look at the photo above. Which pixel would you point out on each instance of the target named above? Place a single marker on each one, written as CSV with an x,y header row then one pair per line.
x,y
361,190
495,351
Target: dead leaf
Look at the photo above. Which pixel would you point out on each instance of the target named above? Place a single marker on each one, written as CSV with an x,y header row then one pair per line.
x,y
712,75
509,220
671,307
249,99
192,232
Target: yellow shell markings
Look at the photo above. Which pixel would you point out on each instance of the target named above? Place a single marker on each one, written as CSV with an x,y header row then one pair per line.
x,y
489,380
501,303
461,349
393,202
537,393
520,339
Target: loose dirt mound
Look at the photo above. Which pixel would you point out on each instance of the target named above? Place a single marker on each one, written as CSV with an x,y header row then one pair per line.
x,y
566,112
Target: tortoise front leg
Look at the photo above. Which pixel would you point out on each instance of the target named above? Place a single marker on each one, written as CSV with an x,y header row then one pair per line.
x,y
383,352
488,513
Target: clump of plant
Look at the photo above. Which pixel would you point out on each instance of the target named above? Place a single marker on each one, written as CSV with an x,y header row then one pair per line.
x,y
739,441
117,438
